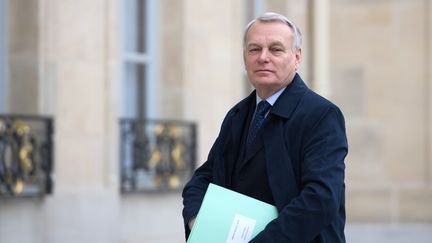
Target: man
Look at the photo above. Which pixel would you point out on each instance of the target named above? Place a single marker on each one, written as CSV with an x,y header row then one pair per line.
x,y
284,144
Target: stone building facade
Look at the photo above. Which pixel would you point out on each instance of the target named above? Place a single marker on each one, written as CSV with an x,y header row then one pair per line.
x,y
65,59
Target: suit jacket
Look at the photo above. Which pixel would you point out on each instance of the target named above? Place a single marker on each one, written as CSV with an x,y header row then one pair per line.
x,y
304,145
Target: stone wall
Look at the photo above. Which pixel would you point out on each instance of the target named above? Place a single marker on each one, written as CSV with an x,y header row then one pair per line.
x,y
64,61
63,55
380,62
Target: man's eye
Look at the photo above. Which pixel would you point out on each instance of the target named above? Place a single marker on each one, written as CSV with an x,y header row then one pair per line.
x,y
276,49
254,50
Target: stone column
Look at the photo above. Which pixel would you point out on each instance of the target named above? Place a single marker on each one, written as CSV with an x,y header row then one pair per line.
x,y
212,65
79,56
299,11
320,47
23,56
21,220
171,56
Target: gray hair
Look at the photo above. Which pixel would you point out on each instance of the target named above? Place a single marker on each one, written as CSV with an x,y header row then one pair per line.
x,y
269,17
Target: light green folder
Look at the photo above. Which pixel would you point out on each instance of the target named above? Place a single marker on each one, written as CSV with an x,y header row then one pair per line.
x,y
230,217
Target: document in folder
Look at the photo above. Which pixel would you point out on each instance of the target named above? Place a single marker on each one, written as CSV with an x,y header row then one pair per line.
x,y
230,217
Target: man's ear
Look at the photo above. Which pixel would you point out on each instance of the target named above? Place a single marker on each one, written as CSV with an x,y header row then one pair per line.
x,y
298,58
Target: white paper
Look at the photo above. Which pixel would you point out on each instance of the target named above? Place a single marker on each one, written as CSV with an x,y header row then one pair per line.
x,y
241,229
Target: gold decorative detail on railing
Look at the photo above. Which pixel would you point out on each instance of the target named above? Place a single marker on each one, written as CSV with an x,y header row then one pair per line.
x,y
25,156
156,155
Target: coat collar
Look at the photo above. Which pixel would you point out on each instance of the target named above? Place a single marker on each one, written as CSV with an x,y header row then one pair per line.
x,y
285,104
283,108
289,99
244,105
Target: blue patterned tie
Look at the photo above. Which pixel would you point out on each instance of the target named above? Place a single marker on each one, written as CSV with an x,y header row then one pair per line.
x,y
262,109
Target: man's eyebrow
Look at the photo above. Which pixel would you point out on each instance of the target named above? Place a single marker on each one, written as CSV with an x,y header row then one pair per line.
x,y
277,43
253,45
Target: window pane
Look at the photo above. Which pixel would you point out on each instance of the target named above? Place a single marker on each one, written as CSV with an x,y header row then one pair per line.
x,y
135,26
2,57
134,91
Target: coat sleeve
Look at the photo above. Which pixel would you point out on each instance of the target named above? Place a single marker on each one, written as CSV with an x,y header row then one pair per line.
x,y
324,147
194,191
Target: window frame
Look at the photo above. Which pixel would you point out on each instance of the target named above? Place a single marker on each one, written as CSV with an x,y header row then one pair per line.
x,y
149,59
3,56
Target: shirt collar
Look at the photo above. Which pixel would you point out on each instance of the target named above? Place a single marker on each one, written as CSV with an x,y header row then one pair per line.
x,y
272,99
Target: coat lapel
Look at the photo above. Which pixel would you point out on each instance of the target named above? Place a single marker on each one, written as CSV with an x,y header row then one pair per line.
x,y
279,164
276,143
256,146
238,122
282,109
232,145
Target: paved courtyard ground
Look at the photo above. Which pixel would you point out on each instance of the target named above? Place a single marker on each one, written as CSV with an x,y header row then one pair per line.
x,y
386,233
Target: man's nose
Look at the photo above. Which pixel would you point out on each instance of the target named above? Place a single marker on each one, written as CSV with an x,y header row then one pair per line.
x,y
264,56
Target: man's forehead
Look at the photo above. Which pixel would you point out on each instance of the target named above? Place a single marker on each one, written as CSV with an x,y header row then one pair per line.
x,y
269,28
269,38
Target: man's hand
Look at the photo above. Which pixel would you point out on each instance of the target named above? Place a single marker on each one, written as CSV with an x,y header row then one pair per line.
x,y
191,223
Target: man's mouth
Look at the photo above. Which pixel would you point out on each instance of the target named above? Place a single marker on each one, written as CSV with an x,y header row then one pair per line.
x,y
263,71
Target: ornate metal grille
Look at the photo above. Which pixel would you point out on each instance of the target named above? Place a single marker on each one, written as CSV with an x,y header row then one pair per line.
x,y
25,156
156,155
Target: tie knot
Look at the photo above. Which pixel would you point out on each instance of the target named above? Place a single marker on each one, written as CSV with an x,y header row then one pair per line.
x,y
262,108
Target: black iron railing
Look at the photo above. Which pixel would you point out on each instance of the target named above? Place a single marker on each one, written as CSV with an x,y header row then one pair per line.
x,y
26,155
156,155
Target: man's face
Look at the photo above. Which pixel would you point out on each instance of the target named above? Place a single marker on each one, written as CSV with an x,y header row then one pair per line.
x,y
269,60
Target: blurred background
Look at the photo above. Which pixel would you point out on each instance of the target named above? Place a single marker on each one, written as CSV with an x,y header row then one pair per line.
x,y
107,106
